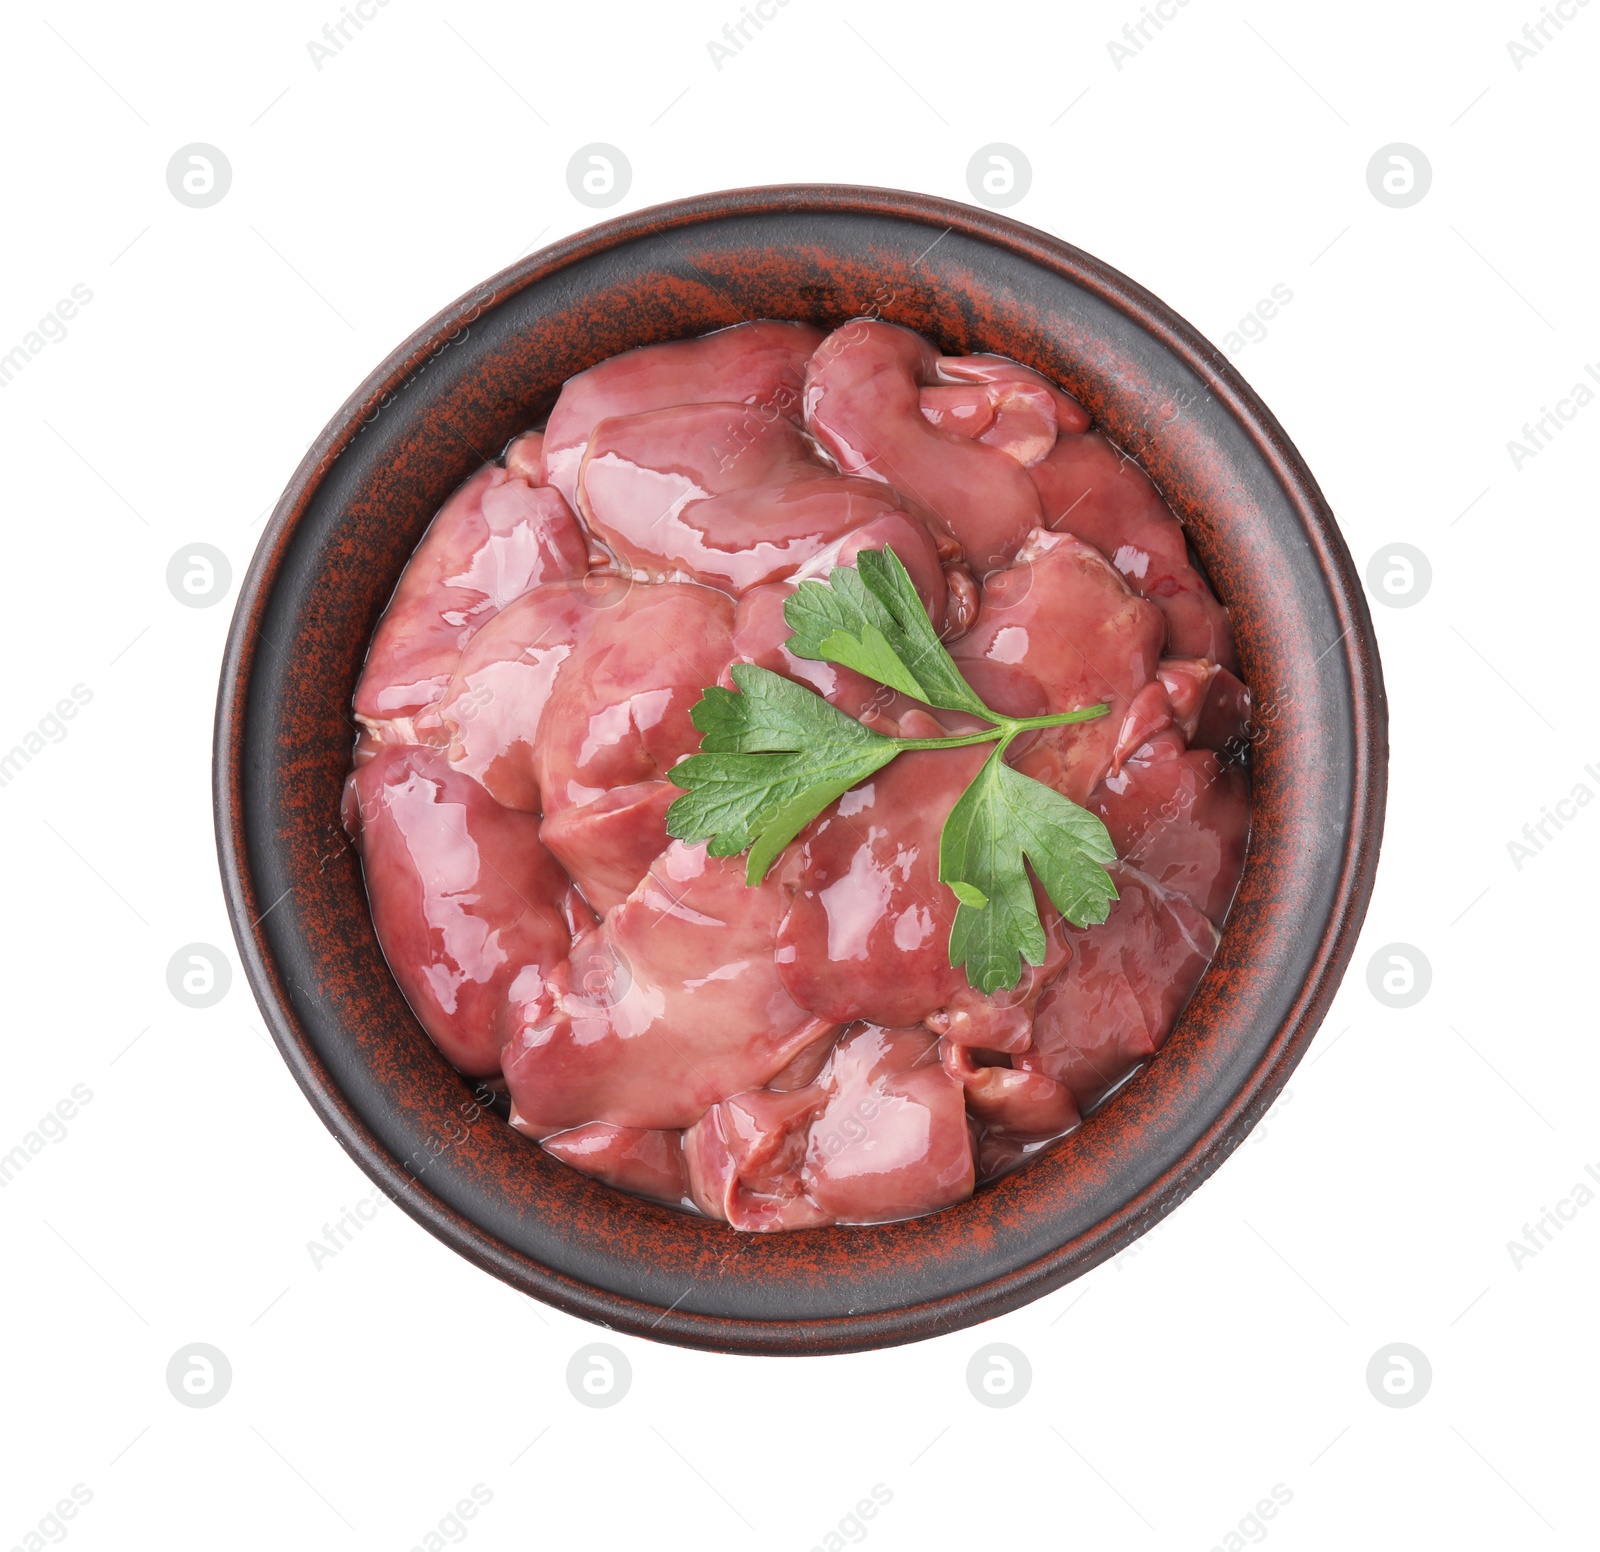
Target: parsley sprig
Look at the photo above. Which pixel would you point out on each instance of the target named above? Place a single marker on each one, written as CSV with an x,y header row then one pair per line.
x,y
774,754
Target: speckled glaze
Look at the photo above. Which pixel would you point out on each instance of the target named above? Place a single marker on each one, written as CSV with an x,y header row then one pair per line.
x,y
491,364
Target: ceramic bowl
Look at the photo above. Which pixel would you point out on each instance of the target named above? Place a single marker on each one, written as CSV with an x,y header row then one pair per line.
x,y
490,365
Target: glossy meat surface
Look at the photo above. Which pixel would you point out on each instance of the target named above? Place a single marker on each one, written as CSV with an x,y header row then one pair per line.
x,y
1088,488
798,1053
675,494
673,1003
1122,990
493,708
1064,631
647,1163
1002,404
863,403
1181,818
492,541
618,720
761,364
464,897
882,1134
867,935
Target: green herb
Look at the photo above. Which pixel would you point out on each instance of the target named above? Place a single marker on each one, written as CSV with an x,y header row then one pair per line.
x,y
1003,818
772,758
871,619
774,754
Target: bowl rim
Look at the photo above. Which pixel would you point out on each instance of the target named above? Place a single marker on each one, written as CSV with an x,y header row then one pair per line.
x,y
1242,1107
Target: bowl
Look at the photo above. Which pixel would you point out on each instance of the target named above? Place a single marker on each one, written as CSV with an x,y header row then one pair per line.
x,y
490,365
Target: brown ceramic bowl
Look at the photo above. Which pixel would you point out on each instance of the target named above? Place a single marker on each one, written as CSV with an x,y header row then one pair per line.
x,y
491,364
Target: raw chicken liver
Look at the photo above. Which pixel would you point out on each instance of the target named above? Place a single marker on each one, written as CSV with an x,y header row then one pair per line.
x,y
492,541
798,1053
464,897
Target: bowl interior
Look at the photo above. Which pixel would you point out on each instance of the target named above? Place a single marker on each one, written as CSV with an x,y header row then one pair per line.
x,y
490,366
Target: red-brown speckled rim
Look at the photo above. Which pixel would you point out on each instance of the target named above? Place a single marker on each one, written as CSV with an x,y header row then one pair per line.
x,y
489,365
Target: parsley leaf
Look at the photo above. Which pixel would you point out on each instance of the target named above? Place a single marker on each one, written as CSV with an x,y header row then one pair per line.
x,y
871,619
773,757
1002,821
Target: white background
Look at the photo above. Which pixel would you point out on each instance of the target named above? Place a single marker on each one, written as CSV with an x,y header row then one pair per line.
x,y
1173,1387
